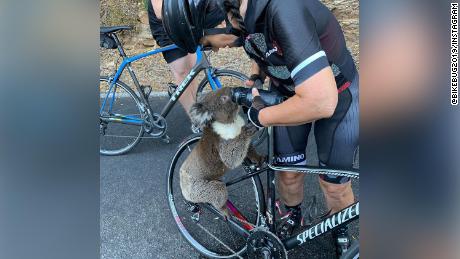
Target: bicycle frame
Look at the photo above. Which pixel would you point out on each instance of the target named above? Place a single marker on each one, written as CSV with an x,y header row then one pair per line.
x,y
343,217
201,64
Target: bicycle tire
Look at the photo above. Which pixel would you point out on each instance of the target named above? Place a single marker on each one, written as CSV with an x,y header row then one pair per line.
x,y
352,252
136,137
181,221
261,135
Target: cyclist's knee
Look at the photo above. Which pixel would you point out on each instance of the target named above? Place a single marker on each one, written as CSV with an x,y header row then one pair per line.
x,y
180,72
181,68
336,191
289,178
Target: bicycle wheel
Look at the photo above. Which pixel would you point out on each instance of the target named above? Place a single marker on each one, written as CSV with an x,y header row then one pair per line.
x,y
116,137
230,78
203,229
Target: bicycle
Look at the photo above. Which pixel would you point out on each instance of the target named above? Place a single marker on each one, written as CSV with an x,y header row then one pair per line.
x,y
250,229
125,115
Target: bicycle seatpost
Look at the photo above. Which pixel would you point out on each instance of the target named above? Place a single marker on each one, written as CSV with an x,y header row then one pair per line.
x,y
119,46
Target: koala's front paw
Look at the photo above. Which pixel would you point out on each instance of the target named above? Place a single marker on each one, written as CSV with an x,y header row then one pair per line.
x,y
224,212
249,129
256,158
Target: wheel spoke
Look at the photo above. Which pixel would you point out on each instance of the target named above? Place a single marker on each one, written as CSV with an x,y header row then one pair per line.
x,y
121,119
217,239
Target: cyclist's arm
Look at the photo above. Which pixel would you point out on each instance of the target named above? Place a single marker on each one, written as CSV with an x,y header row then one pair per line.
x,y
316,95
157,5
314,99
255,70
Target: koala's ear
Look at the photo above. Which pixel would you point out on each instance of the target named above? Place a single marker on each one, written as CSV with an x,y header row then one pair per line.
x,y
200,115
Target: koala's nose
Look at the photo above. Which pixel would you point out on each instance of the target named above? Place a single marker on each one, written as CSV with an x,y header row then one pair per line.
x,y
225,98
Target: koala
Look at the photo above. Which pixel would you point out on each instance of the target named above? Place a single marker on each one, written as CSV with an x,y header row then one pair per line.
x,y
224,145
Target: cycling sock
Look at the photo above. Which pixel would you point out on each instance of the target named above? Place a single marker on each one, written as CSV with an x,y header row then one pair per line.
x,y
296,207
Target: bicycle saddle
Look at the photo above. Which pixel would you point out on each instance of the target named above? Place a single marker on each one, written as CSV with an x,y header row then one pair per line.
x,y
111,29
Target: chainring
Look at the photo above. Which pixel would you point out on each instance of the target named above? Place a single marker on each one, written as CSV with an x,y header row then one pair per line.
x,y
156,128
264,244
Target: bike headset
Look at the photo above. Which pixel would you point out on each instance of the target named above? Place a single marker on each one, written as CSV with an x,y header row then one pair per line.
x,y
187,21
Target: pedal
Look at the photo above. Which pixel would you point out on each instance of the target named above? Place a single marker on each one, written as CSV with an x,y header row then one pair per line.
x,y
196,217
195,209
146,90
166,139
171,89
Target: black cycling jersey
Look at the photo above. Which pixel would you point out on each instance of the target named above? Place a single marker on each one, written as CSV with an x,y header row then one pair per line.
x,y
291,40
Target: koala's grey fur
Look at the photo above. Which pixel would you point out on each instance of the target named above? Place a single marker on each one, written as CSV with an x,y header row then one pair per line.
x,y
214,154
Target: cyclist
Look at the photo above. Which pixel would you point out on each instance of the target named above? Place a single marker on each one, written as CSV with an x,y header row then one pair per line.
x,y
180,62
300,45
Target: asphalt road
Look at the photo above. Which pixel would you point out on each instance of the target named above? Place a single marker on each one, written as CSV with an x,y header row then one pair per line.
x,y
135,218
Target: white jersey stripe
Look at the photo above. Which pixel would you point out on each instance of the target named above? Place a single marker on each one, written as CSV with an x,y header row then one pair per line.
x,y
307,62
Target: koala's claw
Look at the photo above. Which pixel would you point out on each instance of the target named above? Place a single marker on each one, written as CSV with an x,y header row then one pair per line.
x,y
258,160
250,129
224,212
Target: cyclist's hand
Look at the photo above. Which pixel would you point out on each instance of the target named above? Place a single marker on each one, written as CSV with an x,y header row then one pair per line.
x,y
249,83
254,80
257,105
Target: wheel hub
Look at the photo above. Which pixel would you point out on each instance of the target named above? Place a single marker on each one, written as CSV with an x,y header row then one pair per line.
x,y
264,244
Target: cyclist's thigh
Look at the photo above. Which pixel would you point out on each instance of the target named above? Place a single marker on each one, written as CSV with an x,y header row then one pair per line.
x,y
290,144
182,66
162,39
337,137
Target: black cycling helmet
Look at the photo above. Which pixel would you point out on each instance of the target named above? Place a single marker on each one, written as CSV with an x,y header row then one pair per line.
x,y
187,21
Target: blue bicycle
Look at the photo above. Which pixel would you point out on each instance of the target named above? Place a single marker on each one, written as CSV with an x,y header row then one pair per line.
x,y
125,115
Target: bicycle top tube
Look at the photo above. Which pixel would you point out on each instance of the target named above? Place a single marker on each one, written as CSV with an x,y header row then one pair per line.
x,y
304,169
316,170
132,59
150,53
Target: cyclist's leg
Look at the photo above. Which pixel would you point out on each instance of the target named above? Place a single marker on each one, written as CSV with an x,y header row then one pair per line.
x,y
337,141
290,144
179,61
181,68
